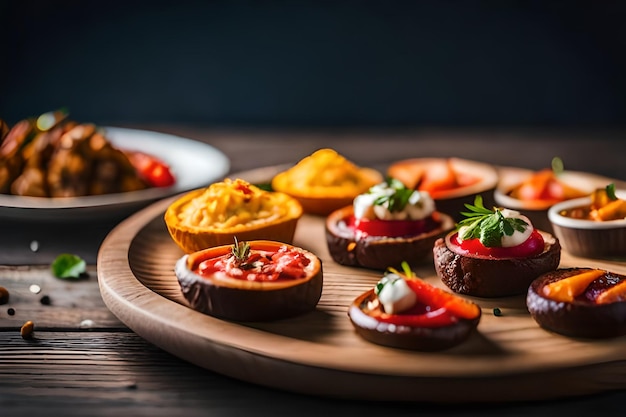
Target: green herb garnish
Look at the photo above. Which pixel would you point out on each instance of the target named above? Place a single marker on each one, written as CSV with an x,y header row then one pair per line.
x,y
489,226
497,312
241,252
67,265
557,165
610,192
399,199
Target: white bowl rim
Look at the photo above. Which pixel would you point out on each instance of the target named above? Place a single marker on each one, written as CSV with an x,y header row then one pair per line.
x,y
563,221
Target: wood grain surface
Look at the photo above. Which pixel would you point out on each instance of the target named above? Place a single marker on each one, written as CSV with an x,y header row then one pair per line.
x,y
510,358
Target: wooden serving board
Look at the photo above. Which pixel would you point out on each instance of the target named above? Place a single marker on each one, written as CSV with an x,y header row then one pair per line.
x,y
509,358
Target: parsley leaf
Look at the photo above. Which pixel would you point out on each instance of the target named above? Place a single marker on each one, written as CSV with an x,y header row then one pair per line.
x,y
489,226
67,265
399,199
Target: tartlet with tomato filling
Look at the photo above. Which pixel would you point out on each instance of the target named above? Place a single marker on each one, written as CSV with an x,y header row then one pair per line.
x,y
532,193
579,302
325,181
451,182
259,280
494,253
385,226
404,311
212,216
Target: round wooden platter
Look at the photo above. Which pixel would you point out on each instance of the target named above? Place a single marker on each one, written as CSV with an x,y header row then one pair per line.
x,y
509,358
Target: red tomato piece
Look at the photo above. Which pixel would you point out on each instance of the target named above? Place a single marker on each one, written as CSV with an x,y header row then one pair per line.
x,y
534,245
152,169
393,228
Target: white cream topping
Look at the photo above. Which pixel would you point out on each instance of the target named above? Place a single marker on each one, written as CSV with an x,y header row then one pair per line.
x,y
517,238
394,294
419,206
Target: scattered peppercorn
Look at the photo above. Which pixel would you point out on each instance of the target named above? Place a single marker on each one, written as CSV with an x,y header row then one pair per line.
x,y
4,295
27,330
497,312
45,300
11,311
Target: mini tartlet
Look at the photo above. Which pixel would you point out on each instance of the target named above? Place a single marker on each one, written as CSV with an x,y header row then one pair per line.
x,y
579,302
592,226
404,311
325,181
532,193
451,182
251,281
494,253
212,216
385,226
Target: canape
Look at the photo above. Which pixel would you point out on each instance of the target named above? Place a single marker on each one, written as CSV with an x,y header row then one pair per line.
x,y
592,226
211,216
451,182
494,252
532,193
251,281
579,302
325,181
404,311
385,226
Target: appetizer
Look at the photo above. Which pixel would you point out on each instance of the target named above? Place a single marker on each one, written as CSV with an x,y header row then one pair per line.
x,y
579,302
605,205
385,226
325,181
211,216
258,280
451,182
404,311
592,226
545,187
52,156
494,252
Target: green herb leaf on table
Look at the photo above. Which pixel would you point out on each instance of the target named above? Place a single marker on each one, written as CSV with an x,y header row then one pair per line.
x,y
489,226
67,265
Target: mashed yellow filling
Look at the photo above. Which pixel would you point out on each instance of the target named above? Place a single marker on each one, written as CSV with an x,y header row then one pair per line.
x,y
232,203
326,169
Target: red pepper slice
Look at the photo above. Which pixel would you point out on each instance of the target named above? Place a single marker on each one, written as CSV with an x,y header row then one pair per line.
x,y
435,307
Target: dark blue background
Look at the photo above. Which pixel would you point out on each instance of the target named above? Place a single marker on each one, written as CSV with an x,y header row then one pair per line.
x,y
316,63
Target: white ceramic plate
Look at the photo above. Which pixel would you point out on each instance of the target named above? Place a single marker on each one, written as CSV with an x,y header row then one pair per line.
x,y
194,164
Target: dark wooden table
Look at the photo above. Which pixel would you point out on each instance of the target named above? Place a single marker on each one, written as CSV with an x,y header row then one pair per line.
x,y
83,361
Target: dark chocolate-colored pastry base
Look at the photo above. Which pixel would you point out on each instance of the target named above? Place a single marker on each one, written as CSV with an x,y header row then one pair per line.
x,y
580,318
407,337
248,301
378,252
491,277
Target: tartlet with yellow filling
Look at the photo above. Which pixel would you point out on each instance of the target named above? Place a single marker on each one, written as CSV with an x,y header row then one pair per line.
x,y
217,214
325,181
